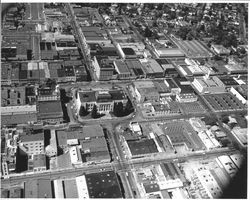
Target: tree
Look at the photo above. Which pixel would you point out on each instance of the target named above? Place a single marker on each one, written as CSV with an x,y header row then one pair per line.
x,y
94,114
83,111
51,83
118,109
128,108
148,33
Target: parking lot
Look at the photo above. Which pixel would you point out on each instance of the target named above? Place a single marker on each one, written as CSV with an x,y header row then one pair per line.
x,y
224,102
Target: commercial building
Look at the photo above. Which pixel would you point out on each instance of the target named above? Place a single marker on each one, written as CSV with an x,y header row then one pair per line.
x,y
49,112
131,50
32,144
241,135
104,100
94,34
220,50
142,147
122,69
104,68
37,163
11,115
47,94
145,91
103,185
75,155
168,68
86,144
13,96
209,85
152,68
208,182
226,163
38,188
193,48
167,51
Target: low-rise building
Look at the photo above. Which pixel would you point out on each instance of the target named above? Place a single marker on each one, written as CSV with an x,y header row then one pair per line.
x,y
241,135
38,188
152,68
209,85
50,112
13,96
47,94
18,114
146,91
220,50
104,100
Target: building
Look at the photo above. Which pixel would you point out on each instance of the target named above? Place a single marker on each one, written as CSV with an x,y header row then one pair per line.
x,y
47,94
220,50
104,100
50,112
38,188
32,144
81,73
13,96
208,84
108,187
241,135
122,69
95,34
186,97
167,50
38,163
11,115
51,149
145,91
226,163
152,68
104,68
75,155
168,68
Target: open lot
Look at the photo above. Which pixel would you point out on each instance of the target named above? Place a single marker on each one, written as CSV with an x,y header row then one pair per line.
x,y
224,102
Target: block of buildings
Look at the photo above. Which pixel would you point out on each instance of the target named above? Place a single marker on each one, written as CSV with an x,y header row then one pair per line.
x,y
18,114
241,135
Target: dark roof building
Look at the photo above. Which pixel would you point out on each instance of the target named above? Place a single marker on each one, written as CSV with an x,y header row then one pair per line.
x,y
141,147
103,185
50,111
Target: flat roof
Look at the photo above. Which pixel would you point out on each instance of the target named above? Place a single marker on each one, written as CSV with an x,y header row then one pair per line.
x,y
70,188
103,185
145,146
151,66
38,188
121,66
32,137
18,119
144,84
49,107
39,160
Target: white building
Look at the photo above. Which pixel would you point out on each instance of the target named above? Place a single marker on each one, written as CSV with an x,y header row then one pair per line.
x,y
226,163
75,155
82,187
208,84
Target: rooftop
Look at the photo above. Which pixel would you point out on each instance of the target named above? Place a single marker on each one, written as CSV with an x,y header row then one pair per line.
x,y
49,107
145,146
103,185
32,137
38,188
